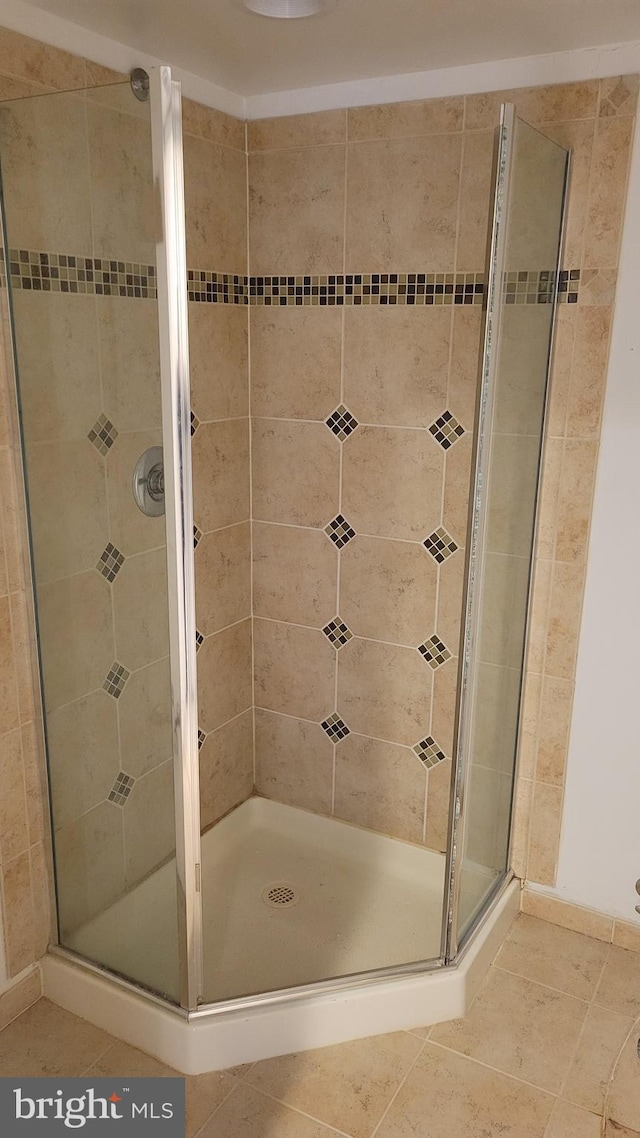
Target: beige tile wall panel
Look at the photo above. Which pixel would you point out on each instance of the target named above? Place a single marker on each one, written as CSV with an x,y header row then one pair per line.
x,y
144,719
216,126
221,474
293,131
129,362
121,172
437,813
218,361
226,768
384,690
216,221
294,670
388,590
90,862
68,501
295,362
392,482
149,823
406,120
130,530
399,778
140,609
224,675
223,578
296,472
84,754
294,761
14,826
75,615
295,574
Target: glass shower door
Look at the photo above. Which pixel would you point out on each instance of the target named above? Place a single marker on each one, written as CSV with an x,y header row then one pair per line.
x,y
522,295
93,271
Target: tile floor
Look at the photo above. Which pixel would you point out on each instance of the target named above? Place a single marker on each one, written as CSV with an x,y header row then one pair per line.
x,y
547,1049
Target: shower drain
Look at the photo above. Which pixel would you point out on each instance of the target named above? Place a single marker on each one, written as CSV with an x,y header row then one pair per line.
x,y
280,894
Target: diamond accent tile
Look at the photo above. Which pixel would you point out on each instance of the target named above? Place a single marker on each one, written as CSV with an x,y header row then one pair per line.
x,y
103,434
434,652
201,739
429,752
199,640
440,545
339,531
121,789
335,727
446,430
117,677
110,563
342,423
195,423
197,534
337,633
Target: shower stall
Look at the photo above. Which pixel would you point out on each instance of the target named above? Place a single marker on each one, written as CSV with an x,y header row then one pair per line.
x,y
282,510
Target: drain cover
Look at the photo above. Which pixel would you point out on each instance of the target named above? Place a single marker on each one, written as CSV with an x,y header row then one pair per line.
x,y
280,894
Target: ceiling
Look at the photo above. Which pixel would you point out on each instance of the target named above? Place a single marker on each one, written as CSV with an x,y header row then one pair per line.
x,y
358,39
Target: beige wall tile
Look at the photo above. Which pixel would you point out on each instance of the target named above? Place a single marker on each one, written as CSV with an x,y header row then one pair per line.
x,y
42,889
521,383
13,520
395,364
295,362
544,833
76,635
84,754
145,719
528,749
388,590
511,496
296,210
466,342
496,716
60,393
618,95
626,935
129,529
216,223
585,921
603,1036
558,102
68,507
19,925
121,171
457,489
216,126
520,1028
392,482
294,670
149,823
35,776
221,474
551,472
492,1104
607,191
294,762
560,377
405,120
438,796
90,865
223,578
402,201
24,649
296,468
444,704
9,710
140,609
521,826
578,138
330,1083
555,722
224,675
292,131
537,646
450,600
475,196
21,996
14,830
218,365
30,59
597,286
226,769
489,800
129,363
11,88
565,606
504,610
569,1121
396,806
295,573
588,373
385,691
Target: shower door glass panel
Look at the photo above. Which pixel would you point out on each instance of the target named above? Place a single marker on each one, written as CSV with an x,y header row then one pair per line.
x,y
80,217
521,306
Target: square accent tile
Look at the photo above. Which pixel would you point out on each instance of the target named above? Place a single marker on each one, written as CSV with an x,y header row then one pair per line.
x,y
440,545
429,752
342,423
195,423
335,727
110,563
339,531
446,430
117,677
337,632
197,534
434,652
103,434
199,640
121,789
201,739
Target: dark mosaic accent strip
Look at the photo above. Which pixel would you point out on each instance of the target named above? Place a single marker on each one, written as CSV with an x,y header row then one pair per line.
x,y
435,652
102,276
110,562
117,677
429,752
67,272
121,789
339,531
337,632
335,728
440,545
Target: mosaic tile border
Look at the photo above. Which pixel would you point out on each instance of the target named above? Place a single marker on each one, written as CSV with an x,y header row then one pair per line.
x,y
102,276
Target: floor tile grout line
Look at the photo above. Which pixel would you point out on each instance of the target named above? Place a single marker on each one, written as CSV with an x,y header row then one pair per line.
x,y
100,1056
541,984
296,1110
235,1083
496,1070
397,1091
582,1031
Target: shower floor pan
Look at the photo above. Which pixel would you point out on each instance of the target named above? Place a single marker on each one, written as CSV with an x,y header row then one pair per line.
x,y
289,898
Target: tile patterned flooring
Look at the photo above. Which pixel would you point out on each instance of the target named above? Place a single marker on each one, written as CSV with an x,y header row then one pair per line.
x,y
547,1049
